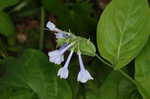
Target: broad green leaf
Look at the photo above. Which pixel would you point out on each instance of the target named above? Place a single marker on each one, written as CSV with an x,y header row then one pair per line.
x,y
86,47
123,30
32,72
142,71
116,86
7,27
12,92
7,3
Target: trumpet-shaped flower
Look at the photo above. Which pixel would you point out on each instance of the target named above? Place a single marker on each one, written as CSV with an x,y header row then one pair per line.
x,y
61,35
51,26
83,75
63,72
57,56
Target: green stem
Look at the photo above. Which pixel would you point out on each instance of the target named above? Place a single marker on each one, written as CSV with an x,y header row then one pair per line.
x,y
104,61
121,71
128,77
41,42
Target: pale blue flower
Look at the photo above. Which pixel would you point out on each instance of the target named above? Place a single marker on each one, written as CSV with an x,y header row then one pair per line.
x,y
64,72
61,35
83,75
51,26
57,56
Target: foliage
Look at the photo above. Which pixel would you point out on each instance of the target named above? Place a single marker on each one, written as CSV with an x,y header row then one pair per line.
x,y
142,71
6,23
125,37
120,66
115,86
7,27
33,75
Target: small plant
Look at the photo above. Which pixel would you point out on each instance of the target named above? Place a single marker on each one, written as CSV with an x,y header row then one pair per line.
x,y
75,44
112,62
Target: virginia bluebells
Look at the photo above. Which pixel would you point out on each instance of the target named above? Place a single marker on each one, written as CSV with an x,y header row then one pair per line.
x,y
57,56
83,75
63,72
51,26
59,33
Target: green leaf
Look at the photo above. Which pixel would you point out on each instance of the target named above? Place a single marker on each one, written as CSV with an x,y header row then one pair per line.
x,y
142,71
7,27
7,3
116,86
86,47
60,42
32,71
123,31
12,92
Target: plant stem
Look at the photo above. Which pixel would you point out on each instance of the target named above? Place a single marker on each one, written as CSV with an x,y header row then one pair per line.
x,y
121,71
104,61
41,42
127,76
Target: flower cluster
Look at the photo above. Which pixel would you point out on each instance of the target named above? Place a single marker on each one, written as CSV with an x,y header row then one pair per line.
x,y
57,56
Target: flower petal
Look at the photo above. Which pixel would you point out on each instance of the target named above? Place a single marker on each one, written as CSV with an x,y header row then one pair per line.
x,y
61,35
56,57
63,72
84,76
53,53
66,48
51,26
